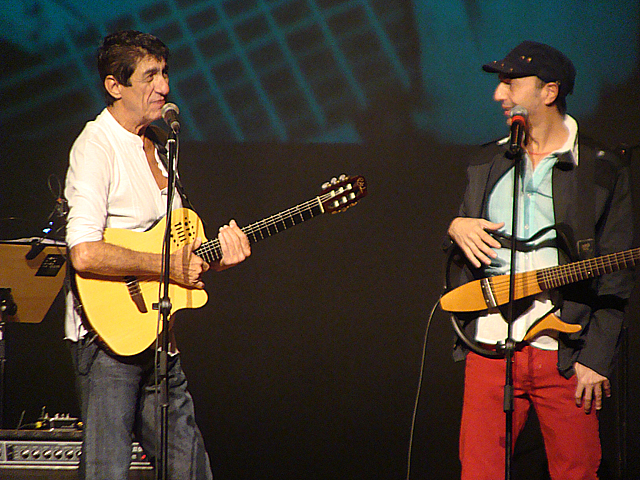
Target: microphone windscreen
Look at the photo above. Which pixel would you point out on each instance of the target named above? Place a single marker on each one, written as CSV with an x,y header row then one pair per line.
x,y
170,113
518,114
167,107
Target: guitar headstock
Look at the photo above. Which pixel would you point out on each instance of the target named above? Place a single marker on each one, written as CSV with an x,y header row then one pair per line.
x,y
340,193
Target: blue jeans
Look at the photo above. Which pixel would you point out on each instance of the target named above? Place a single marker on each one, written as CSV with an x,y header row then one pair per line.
x,y
118,400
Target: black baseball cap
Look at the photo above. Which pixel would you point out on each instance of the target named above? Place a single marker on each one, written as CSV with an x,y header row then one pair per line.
x,y
540,60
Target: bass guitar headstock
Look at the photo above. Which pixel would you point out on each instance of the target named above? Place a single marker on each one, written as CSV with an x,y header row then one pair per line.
x,y
340,193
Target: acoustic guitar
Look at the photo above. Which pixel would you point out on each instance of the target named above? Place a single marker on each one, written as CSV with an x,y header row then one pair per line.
x,y
120,309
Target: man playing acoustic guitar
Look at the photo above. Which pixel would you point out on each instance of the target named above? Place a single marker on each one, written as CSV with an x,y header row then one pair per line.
x,y
565,181
116,180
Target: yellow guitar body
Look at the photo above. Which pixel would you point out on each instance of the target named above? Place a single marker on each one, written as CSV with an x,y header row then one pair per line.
x,y
120,309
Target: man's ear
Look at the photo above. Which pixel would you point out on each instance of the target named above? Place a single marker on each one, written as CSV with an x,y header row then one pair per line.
x,y
551,90
112,86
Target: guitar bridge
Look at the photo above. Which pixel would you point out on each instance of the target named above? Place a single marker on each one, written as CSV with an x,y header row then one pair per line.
x,y
487,293
133,285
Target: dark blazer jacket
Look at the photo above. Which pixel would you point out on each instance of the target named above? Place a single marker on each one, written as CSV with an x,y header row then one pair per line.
x,y
593,200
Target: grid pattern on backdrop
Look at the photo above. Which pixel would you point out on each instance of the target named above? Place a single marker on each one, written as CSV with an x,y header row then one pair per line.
x,y
251,70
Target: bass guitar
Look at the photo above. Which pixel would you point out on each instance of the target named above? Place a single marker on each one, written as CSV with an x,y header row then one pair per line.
x,y
120,309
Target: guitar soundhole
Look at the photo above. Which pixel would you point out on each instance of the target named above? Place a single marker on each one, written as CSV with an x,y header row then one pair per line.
x,y
183,232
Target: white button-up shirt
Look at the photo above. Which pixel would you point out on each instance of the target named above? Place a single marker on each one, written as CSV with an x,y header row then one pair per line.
x,y
109,185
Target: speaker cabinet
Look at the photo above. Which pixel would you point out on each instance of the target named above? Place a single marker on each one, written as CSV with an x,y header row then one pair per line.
x,y
54,455
59,473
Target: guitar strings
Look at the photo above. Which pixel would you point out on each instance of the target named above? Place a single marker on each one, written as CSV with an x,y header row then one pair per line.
x,y
213,248
553,277
147,284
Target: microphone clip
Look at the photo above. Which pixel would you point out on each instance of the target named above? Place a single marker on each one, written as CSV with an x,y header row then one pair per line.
x,y
56,223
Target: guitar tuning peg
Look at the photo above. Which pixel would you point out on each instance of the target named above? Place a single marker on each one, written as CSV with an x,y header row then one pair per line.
x,y
334,180
342,177
326,185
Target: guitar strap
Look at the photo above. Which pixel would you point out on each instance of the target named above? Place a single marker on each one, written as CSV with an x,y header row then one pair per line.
x,y
586,224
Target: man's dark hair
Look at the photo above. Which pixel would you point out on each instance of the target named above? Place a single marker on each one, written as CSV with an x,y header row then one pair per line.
x,y
120,53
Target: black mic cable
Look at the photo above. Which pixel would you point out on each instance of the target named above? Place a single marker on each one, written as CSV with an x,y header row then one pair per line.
x,y
425,344
56,222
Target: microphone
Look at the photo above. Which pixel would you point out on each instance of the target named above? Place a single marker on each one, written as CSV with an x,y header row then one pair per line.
x,y
518,117
56,221
170,113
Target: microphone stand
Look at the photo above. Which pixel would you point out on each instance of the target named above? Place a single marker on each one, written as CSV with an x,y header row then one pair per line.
x,y
164,308
516,153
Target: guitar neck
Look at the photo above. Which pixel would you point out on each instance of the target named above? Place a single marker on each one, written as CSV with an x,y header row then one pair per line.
x,y
211,251
558,276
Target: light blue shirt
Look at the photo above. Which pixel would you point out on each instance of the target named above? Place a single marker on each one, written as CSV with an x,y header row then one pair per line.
x,y
535,212
535,204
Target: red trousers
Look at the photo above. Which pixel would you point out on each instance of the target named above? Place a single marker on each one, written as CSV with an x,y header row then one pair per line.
x,y
571,436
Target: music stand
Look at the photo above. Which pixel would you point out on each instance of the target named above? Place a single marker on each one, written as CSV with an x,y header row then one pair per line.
x,y
28,286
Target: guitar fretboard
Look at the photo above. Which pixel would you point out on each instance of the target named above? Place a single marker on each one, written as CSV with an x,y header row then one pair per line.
x,y
211,250
558,276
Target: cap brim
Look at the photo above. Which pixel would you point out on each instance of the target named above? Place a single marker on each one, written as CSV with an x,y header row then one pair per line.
x,y
491,68
507,69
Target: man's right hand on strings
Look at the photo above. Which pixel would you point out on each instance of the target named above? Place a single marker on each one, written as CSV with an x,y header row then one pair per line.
x,y
187,267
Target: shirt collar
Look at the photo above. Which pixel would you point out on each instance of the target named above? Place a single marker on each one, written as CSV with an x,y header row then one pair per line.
x,y
119,129
571,145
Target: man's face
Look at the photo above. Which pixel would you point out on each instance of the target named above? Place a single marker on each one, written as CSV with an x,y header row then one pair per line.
x,y
143,100
524,91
